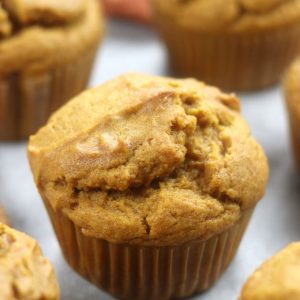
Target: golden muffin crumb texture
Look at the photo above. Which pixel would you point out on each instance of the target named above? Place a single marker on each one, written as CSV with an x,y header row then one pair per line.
x,y
230,15
277,279
24,272
49,32
149,159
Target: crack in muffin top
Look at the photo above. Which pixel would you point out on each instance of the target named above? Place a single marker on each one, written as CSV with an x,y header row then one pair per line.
x,y
149,158
231,15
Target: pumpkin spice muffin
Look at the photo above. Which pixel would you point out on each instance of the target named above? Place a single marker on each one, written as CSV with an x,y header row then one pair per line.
x,y
150,183
24,272
47,48
292,95
235,44
3,217
278,278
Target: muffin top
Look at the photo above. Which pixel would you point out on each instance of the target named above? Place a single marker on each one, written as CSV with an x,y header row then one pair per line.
x,y
292,89
3,217
278,278
44,11
230,15
150,160
24,272
49,32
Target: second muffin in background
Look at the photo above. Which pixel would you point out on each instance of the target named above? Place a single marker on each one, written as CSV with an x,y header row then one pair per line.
x,y
150,183
47,49
292,95
277,279
234,44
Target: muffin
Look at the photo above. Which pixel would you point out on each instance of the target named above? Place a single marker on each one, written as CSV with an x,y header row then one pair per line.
x,y
278,278
47,48
292,95
24,272
3,217
235,44
150,183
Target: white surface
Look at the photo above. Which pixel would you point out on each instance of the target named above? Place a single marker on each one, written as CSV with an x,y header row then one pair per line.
x,y
276,221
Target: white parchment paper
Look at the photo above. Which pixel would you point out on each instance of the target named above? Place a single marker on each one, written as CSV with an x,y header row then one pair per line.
x,y
276,222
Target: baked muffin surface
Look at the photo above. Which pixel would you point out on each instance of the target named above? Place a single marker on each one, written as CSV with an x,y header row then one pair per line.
x,y
231,15
149,160
50,33
278,278
24,272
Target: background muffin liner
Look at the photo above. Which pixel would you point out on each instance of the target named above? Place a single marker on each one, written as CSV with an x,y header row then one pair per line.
x,y
27,100
148,272
296,143
231,61
295,134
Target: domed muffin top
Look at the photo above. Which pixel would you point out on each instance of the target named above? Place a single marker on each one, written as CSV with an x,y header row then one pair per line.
x,y
24,272
230,15
36,34
149,159
44,11
278,278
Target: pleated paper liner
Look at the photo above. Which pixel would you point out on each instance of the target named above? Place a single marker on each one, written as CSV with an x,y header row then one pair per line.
x,y
146,272
292,93
231,61
26,100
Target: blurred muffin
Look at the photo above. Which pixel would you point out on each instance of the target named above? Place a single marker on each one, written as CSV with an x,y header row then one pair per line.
x,y
3,217
235,44
24,273
277,279
292,95
150,183
47,49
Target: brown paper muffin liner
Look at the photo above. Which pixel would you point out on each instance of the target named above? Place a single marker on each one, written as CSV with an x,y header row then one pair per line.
x,y
148,272
295,134
231,61
27,100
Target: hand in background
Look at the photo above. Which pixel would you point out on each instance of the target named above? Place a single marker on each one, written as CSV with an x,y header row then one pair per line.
x,y
138,10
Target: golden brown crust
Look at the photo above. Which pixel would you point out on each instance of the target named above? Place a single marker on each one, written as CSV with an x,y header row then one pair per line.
x,y
277,279
44,11
231,15
45,47
149,160
24,272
